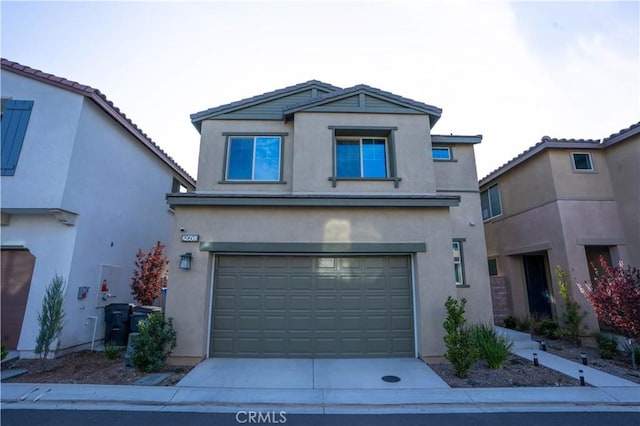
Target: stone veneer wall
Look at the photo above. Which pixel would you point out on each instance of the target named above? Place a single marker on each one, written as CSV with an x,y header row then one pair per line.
x,y
500,298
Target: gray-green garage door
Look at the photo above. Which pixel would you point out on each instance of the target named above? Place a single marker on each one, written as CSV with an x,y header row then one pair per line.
x,y
303,306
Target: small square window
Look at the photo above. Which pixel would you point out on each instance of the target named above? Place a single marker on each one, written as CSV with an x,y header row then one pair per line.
x,y
582,161
441,153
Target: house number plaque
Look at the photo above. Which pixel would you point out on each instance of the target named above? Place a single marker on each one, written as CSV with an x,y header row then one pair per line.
x,y
190,238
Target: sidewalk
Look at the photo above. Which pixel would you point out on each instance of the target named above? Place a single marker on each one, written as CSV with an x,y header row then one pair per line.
x,y
318,401
326,387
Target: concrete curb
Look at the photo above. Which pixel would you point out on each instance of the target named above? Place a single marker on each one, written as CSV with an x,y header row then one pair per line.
x,y
148,398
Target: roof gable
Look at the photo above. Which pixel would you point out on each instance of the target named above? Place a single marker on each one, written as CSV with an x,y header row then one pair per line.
x,y
365,99
105,104
267,106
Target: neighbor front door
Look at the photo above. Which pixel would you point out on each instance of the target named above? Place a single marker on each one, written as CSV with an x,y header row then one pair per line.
x,y
537,286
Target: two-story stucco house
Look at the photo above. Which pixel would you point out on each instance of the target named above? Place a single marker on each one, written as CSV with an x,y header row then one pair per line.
x,y
330,223
82,190
560,203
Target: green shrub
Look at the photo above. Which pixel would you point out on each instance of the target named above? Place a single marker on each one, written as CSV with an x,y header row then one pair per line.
x,y
111,351
460,348
510,322
547,328
607,345
492,347
50,317
155,341
5,352
524,324
572,328
633,349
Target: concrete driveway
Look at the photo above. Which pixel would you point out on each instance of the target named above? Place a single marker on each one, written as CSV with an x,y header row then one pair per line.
x,y
259,373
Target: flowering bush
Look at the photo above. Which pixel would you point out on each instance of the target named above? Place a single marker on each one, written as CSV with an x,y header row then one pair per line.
x,y
150,275
615,297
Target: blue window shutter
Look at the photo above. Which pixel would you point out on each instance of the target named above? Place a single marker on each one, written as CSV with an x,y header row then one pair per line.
x,y
15,119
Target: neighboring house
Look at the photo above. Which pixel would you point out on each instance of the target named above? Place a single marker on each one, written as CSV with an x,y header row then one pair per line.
x,y
562,202
326,220
82,190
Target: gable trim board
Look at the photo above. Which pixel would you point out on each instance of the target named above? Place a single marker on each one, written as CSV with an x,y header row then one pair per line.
x,y
321,98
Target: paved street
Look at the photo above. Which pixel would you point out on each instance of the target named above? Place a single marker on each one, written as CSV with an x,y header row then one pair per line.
x,y
138,418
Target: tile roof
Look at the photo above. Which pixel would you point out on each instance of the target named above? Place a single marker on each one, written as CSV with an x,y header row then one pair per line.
x,y
102,101
634,129
548,142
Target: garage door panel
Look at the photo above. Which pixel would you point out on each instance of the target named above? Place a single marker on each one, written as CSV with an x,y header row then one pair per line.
x,y
300,282
326,283
226,301
276,282
271,323
249,282
300,302
273,302
285,306
247,302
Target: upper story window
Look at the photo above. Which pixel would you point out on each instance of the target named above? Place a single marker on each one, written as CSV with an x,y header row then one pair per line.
x,y
361,157
441,153
490,202
458,263
254,158
582,161
15,119
363,153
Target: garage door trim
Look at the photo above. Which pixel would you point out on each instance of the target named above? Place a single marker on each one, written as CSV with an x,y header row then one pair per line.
x,y
291,249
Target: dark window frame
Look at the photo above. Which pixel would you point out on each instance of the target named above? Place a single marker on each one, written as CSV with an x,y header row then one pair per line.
x,y
230,135
366,132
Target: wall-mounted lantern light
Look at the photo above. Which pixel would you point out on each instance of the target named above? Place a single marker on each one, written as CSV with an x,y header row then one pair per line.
x,y
185,261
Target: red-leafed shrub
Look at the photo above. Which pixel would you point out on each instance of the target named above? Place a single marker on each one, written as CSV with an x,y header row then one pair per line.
x,y
150,275
615,297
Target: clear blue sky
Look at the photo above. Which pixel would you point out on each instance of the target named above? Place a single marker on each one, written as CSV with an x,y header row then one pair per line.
x,y
511,71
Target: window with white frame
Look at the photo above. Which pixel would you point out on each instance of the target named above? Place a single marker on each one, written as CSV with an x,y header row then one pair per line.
x,y
490,202
361,157
458,263
253,158
582,161
441,153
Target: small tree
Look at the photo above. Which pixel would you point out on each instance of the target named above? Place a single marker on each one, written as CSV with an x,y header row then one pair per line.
x,y
150,274
572,317
155,342
615,297
50,317
461,351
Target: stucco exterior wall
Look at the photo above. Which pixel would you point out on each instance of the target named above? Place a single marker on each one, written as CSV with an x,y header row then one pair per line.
x,y
211,163
586,185
76,158
52,244
313,154
625,179
434,275
46,152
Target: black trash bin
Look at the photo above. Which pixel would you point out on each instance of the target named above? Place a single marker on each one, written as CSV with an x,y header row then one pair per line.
x,y
117,317
141,312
